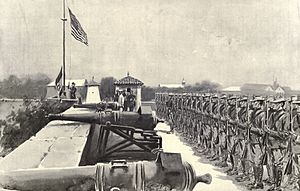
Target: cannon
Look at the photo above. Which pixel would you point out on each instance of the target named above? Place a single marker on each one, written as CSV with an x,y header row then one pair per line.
x,y
167,172
136,120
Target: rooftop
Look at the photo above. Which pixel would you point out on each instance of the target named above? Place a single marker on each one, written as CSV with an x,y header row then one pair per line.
x,y
171,85
128,80
256,86
232,89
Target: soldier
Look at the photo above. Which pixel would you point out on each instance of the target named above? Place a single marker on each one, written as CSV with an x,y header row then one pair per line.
x,y
170,110
242,138
206,123
293,165
190,118
257,122
214,128
222,146
200,117
278,125
194,119
231,131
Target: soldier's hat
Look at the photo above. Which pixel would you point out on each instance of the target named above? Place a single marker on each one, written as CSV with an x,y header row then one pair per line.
x,y
215,96
259,98
232,97
223,97
280,100
296,102
243,99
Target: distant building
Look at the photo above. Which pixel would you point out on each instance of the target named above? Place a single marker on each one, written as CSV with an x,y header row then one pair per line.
x,y
257,89
236,90
173,86
261,89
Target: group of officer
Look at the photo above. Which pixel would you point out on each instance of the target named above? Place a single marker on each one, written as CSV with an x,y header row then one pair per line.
x,y
241,132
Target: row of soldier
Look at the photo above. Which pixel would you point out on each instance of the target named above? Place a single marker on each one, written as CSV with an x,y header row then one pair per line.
x,y
243,133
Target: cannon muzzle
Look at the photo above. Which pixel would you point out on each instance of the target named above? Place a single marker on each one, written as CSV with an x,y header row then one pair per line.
x,y
206,178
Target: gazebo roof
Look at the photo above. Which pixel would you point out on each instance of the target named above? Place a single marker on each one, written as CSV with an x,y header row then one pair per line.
x,y
128,80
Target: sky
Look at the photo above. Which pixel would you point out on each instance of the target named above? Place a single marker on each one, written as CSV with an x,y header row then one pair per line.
x,y
158,41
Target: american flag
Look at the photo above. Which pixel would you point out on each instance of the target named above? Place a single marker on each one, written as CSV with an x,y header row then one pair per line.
x,y
76,29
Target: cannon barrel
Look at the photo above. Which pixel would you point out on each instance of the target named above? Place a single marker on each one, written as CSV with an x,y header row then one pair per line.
x,y
167,172
144,121
47,179
98,106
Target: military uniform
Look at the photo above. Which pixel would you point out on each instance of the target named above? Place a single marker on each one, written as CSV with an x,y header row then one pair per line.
x,y
293,165
255,146
278,124
222,145
231,135
243,139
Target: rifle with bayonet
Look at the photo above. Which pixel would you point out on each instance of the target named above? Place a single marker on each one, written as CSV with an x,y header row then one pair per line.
x,y
289,166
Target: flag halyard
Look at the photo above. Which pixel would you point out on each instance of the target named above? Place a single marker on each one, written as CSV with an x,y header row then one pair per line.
x,y
76,30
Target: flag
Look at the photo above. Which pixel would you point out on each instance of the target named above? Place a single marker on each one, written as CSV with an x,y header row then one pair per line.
x,y
76,29
58,78
57,82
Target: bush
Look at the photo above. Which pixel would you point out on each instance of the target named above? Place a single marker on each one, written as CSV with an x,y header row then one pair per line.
x,y
27,121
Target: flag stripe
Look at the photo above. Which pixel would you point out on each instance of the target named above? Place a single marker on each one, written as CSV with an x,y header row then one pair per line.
x,y
76,30
77,35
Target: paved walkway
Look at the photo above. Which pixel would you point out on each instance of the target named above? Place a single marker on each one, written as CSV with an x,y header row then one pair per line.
x,y
220,181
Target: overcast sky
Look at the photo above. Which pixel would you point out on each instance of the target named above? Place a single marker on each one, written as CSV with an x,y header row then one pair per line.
x,y
158,41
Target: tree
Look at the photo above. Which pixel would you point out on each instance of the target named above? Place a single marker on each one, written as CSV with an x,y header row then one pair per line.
x,y
148,93
107,89
34,86
205,86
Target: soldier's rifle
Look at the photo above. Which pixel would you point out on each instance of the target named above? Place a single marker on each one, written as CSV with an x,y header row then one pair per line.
x,y
288,169
211,118
201,100
219,119
266,130
248,122
274,134
227,125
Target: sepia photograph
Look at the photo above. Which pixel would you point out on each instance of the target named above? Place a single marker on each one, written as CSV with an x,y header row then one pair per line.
x,y
150,95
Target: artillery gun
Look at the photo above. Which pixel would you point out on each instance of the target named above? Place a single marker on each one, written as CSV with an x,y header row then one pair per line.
x,y
136,120
167,172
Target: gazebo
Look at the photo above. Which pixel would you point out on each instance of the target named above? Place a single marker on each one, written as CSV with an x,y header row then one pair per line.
x,y
130,84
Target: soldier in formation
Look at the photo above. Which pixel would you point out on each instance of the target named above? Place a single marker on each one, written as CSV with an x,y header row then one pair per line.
x,y
243,134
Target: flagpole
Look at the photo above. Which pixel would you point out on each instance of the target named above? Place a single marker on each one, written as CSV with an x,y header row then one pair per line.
x,y
64,47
